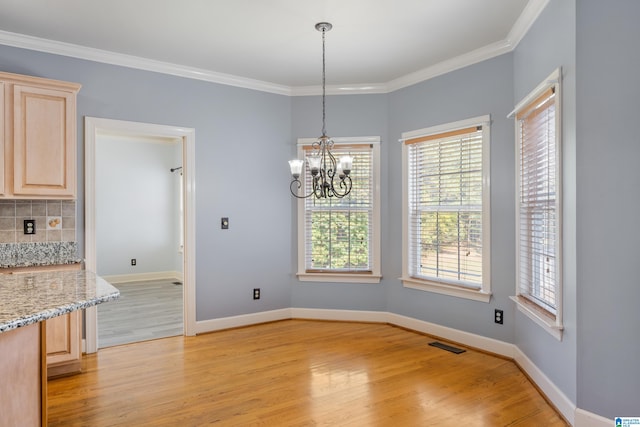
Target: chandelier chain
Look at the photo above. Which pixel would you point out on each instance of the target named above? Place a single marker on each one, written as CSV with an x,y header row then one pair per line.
x,y
324,129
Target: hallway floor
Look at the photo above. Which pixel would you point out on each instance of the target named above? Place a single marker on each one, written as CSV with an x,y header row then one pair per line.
x,y
145,311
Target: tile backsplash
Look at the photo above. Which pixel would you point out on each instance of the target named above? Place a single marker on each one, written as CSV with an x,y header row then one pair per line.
x,y
14,212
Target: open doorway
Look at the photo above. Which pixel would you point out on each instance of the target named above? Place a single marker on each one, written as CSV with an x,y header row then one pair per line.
x,y
139,244
158,149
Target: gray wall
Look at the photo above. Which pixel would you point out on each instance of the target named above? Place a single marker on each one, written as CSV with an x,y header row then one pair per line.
x,y
484,88
243,138
549,44
608,200
137,205
347,115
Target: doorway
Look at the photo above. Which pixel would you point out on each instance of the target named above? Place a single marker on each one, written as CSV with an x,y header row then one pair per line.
x,y
97,130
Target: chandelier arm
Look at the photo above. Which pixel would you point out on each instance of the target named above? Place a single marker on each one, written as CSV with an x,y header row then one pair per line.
x,y
299,185
346,184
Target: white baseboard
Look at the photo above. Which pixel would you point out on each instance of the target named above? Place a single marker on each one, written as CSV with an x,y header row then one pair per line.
x,y
550,390
589,419
576,417
140,277
465,338
343,315
212,325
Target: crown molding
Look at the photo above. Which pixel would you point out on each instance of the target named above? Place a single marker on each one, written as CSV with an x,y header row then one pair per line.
x,y
357,89
444,67
518,31
532,10
130,61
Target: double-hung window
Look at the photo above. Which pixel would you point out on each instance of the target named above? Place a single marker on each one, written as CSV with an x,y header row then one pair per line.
x,y
539,206
339,238
446,215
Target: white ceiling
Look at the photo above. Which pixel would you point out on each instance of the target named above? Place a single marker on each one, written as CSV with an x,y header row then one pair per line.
x,y
375,45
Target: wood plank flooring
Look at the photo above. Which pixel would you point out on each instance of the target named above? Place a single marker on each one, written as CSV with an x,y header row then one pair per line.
x,y
145,310
297,373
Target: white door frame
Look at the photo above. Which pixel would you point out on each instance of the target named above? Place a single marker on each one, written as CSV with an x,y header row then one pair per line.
x,y
93,127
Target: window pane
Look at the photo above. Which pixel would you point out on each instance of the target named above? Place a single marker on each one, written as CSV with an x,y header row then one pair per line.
x,y
445,198
539,235
338,231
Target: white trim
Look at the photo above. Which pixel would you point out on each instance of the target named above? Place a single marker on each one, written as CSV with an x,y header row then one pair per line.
x,y
550,81
302,142
339,315
554,327
483,293
339,277
142,277
562,403
446,127
577,417
444,289
519,29
136,62
444,67
589,419
98,126
455,335
205,326
531,12
547,325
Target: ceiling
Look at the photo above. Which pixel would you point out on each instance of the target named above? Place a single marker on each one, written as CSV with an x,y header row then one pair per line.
x,y
374,46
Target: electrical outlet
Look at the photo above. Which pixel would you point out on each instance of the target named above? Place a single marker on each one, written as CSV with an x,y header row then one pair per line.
x,y
133,261
498,316
29,226
256,293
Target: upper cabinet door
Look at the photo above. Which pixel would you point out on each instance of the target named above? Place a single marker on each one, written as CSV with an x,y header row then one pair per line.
x,y
44,142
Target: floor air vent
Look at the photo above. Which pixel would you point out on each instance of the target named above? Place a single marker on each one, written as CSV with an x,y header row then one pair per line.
x,y
452,349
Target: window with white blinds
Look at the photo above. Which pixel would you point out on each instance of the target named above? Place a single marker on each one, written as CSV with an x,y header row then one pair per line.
x,y
447,207
538,222
340,235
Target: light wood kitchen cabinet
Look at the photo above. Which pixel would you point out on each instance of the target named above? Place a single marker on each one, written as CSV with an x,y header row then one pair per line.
x,y
63,333
38,136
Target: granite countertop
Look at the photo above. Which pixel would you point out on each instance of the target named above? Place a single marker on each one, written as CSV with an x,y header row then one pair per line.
x,y
38,253
32,297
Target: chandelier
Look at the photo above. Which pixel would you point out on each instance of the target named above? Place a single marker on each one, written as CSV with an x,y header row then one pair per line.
x,y
330,178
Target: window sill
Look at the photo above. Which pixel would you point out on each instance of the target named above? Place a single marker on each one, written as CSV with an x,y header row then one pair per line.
x,y
539,317
339,277
451,290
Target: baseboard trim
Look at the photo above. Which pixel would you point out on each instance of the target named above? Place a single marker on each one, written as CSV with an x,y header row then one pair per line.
x,y
141,277
589,419
575,416
562,403
341,315
213,325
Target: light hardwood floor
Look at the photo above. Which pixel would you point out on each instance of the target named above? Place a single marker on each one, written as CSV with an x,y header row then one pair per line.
x,y
145,310
297,373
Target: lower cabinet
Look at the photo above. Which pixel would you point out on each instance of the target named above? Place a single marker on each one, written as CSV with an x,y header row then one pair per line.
x,y
64,344
63,333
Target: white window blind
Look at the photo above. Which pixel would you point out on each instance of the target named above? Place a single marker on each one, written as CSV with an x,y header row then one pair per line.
x,y
538,219
445,207
338,232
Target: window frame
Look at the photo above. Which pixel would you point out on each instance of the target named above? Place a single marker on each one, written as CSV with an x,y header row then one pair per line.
x,y
339,276
483,293
550,322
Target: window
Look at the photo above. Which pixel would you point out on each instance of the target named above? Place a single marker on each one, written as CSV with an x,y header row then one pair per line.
x,y
538,212
339,239
446,209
